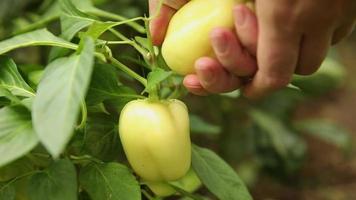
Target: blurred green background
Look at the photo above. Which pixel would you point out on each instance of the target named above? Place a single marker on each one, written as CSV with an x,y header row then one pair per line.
x,y
292,145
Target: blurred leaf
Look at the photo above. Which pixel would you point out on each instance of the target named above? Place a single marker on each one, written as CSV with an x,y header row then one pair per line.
x,y
218,176
234,94
283,139
105,85
327,131
7,191
109,181
11,79
15,169
57,182
40,37
17,137
198,125
330,76
7,94
68,7
281,103
59,96
35,77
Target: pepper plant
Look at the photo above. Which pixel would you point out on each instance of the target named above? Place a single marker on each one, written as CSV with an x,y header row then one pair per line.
x,y
59,123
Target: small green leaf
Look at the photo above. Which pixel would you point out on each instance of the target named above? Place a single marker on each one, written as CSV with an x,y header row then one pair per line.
x,y
218,176
156,77
17,137
59,96
58,182
11,79
109,181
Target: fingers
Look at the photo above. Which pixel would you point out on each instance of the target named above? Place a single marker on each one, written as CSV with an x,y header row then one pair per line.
x,y
192,83
277,55
212,78
159,24
313,51
230,54
246,27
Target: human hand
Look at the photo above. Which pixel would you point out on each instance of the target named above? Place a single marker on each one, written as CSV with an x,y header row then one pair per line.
x,y
220,74
293,38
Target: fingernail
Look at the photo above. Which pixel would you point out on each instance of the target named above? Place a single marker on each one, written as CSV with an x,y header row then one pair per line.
x,y
219,42
240,15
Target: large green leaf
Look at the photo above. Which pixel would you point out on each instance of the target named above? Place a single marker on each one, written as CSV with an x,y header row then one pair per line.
x,y
60,93
105,85
102,139
17,137
40,37
58,182
11,79
218,176
109,181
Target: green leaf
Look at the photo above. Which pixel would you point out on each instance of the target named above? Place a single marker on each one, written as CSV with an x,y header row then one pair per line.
x,y
59,96
218,176
11,79
7,94
71,25
327,131
7,192
58,182
67,6
15,169
198,125
17,137
40,37
102,139
283,139
109,181
156,77
105,85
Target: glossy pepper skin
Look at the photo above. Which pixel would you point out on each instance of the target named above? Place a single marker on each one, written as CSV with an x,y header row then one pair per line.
x,y
155,137
188,35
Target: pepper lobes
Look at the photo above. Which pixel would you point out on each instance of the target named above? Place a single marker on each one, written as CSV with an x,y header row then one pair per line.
x,y
155,136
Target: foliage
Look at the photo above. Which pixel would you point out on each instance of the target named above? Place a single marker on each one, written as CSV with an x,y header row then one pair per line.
x,y
59,113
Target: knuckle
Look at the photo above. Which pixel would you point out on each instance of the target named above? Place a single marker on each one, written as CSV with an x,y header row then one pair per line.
x,y
276,82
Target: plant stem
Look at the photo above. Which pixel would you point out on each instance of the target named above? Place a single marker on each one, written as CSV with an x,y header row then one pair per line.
x,y
84,115
141,50
19,177
127,70
105,14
